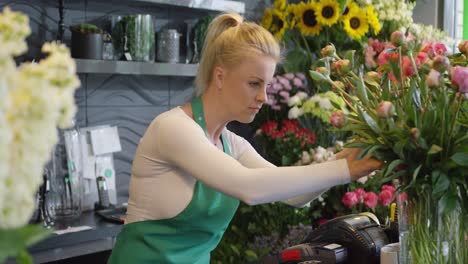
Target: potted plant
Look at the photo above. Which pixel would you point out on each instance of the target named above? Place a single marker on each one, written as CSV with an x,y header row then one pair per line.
x,y
87,41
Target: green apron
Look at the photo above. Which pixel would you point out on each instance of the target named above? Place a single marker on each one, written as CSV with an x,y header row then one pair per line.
x,y
188,237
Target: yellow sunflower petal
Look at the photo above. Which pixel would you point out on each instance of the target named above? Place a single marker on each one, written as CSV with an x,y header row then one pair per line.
x,y
327,12
356,24
267,18
279,24
373,19
306,19
280,4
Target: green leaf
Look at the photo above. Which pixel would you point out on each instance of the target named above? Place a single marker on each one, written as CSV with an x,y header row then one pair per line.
x,y
370,121
368,150
12,241
440,181
434,149
317,76
391,167
234,248
251,256
465,137
357,144
448,203
460,158
24,257
361,91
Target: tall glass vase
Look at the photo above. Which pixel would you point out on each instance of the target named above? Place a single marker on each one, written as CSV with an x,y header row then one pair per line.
x,y
427,235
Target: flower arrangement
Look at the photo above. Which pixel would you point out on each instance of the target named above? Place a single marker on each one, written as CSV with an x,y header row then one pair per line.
x,y
393,113
284,145
36,98
306,26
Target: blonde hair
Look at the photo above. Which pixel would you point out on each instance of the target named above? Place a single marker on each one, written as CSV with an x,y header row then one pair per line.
x,y
228,41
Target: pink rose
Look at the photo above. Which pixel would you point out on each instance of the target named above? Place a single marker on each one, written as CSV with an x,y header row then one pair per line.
x,y
385,109
338,119
421,58
371,199
350,199
389,188
433,79
434,49
460,78
369,56
407,66
385,197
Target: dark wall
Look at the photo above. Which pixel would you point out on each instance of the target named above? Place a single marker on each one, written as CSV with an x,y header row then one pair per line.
x,y
127,101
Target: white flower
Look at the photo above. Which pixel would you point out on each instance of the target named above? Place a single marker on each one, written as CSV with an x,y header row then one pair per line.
x,y
36,98
294,100
302,95
295,112
305,157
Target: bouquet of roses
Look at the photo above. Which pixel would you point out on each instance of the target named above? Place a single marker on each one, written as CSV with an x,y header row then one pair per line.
x,y
394,113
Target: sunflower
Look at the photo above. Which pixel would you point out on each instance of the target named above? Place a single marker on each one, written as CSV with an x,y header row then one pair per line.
x,y
351,5
267,18
279,5
306,20
355,23
327,12
278,25
373,19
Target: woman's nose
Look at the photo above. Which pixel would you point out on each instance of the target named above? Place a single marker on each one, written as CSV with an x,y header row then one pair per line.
x,y
262,95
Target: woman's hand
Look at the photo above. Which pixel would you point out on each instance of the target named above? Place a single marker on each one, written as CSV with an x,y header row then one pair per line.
x,y
359,167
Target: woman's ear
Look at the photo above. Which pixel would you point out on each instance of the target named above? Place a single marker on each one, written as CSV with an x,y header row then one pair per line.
x,y
218,76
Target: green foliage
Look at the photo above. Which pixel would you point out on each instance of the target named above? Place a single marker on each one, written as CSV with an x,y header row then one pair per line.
x,y
86,29
14,241
139,37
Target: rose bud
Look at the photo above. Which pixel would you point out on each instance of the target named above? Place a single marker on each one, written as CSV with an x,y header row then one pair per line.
x,y
338,119
433,79
441,63
343,66
322,70
328,51
338,84
385,109
350,199
462,46
460,78
415,133
373,76
398,38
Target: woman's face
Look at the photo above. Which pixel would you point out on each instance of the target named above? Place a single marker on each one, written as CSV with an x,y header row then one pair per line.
x,y
243,88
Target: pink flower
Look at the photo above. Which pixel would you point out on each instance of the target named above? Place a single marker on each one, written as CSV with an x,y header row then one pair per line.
x,y
434,49
385,109
283,80
350,199
376,45
389,188
360,193
385,56
433,79
408,69
371,199
289,76
298,82
369,54
338,119
460,78
421,58
385,197
322,221
301,76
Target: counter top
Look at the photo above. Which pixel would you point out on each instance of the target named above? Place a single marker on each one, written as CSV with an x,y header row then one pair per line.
x,y
99,238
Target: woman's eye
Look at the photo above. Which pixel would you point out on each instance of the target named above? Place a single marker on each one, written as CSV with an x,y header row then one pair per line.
x,y
255,84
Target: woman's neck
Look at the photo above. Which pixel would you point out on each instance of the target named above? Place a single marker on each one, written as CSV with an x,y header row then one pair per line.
x,y
215,116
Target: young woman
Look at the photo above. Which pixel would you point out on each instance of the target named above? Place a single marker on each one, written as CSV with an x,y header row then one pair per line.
x,y
190,172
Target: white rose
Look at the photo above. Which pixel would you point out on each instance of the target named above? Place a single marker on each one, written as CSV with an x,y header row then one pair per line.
x,y
293,100
295,112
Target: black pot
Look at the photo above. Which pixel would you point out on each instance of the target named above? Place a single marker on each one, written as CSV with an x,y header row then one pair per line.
x,y
86,46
